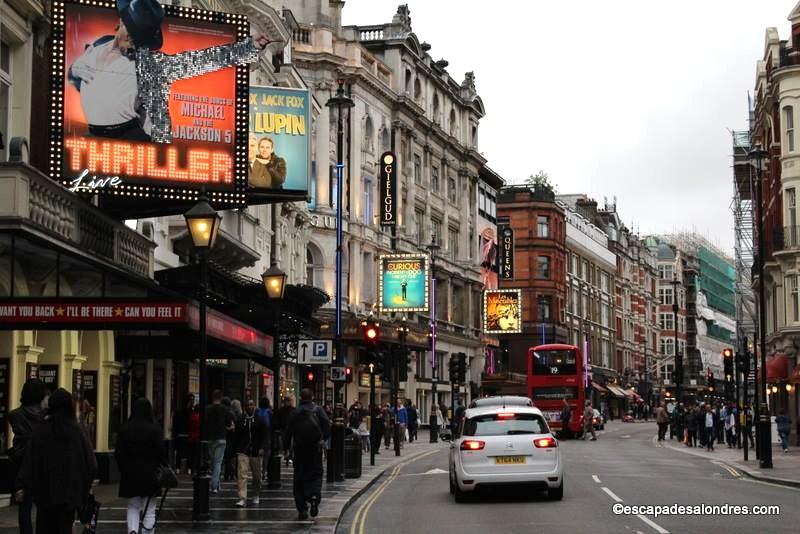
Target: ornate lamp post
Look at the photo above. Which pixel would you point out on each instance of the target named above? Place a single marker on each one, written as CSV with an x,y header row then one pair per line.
x,y
341,101
203,223
678,375
433,422
275,284
758,159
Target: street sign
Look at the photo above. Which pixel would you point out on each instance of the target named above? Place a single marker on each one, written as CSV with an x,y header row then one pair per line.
x,y
338,374
314,352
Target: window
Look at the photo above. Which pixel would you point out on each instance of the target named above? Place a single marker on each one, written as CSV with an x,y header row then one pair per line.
x,y
665,271
585,270
368,209
604,281
5,97
417,89
543,267
543,308
788,121
667,346
451,189
794,296
665,321
505,425
309,268
417,169
576,266
474,137
436,109
453,123
435,179
791,205
452,243
543,226
436,230
605,315
471,246
408,81
418,215
482,202
665,295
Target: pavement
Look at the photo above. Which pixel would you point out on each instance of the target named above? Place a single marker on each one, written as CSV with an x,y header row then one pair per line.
x,y
623,467
275,513
785,466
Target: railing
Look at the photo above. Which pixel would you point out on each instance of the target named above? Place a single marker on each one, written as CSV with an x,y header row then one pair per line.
x,y
39,202
789,57
371,34
786,238
301,35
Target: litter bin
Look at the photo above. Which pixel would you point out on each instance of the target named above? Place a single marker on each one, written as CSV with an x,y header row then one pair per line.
x,y
352,453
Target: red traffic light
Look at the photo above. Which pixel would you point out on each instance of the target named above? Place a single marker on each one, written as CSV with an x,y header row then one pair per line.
x,y
371,332
727,353
348,370
310,376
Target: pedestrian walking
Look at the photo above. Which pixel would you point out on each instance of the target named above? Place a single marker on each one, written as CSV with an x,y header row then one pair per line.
x,y
730,427
217,422
284,415
566,414
388,425
719,423
784,423
265,412
378,427
139,452
194,438
748,426
251,432
440,417
413,421
694,425
710,427
235,408
308,427
588,425
402,421
662,420
58,468
24,421
363,431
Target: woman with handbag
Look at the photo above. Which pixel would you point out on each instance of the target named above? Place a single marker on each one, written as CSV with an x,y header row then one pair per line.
x,y
58,468
140,455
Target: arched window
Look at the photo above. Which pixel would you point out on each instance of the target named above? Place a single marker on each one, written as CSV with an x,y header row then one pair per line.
x,y
369,133
436,109
417,90
314,266
408,81
453,125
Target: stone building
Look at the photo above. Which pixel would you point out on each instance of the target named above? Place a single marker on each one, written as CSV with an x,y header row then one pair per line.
x,y
405,101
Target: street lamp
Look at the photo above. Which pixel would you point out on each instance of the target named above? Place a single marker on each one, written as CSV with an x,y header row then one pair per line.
x,y
758,159
433,422
678,375
341,101
275,284
203,223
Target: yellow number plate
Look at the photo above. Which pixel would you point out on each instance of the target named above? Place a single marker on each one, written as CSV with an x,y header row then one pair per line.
x,y
509,459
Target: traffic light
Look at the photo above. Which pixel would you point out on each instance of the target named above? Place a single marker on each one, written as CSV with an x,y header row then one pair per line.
x,y
309,377
453,368
371,333
743,362
462,368
727,360
380,366
348,373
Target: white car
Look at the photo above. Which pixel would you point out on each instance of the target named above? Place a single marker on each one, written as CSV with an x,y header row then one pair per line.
x,y
502,445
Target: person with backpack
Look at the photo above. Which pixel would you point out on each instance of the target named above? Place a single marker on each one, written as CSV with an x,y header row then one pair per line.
x,y
265,412
23,422
308,427
139,452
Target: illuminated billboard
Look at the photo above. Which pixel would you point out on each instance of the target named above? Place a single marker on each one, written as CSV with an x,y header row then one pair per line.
x,y
403,282
502,311
149,102
279,143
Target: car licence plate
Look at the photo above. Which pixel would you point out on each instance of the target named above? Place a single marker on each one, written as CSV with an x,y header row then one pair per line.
x,y
509,459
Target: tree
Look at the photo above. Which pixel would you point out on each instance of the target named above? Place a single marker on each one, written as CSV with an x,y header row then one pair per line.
x,y
541,178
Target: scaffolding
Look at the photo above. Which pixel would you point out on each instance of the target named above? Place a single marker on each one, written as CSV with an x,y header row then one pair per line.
x,y
742,207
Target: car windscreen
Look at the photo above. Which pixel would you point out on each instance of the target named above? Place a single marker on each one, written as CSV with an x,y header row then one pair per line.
x,y
503,424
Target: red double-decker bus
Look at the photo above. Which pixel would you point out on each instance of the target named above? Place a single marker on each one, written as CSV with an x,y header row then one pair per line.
x,y
556,374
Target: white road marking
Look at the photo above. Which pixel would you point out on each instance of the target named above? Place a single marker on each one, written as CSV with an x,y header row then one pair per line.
x,y
611,494
435,471
656,526
594,477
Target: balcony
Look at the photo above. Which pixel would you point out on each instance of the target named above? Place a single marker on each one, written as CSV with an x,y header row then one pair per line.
x,y
787,238
32,202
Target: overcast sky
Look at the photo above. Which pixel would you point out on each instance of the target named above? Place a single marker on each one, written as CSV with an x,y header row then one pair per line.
x,y
625,98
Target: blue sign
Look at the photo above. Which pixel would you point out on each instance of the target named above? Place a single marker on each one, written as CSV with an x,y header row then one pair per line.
x,y
315,352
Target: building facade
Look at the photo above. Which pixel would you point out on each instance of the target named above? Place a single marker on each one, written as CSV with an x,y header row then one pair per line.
x,y
775,108
539,227
407,102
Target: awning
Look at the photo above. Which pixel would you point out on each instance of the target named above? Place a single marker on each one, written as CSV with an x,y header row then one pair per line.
x,y
616,391
778,368
599,388
795,375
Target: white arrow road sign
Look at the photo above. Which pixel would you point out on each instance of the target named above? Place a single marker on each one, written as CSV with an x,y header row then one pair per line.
x,y
315,352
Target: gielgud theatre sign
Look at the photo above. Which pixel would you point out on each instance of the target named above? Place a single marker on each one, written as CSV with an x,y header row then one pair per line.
x,y
149,102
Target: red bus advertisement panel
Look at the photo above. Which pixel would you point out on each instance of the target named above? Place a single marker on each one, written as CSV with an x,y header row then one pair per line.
x,y
555,374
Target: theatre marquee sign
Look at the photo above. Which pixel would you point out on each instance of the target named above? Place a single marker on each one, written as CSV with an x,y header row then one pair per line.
x,y
87,313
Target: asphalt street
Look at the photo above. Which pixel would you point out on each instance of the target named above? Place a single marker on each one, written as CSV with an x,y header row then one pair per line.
x,y
623,466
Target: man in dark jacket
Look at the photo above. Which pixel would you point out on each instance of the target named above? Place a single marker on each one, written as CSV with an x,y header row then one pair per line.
x,y
23,422
308,427
413,421
251,444
284,415
58,468
216,423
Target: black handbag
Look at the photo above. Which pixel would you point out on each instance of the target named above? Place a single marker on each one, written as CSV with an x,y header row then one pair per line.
x,y
166,477
89,513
